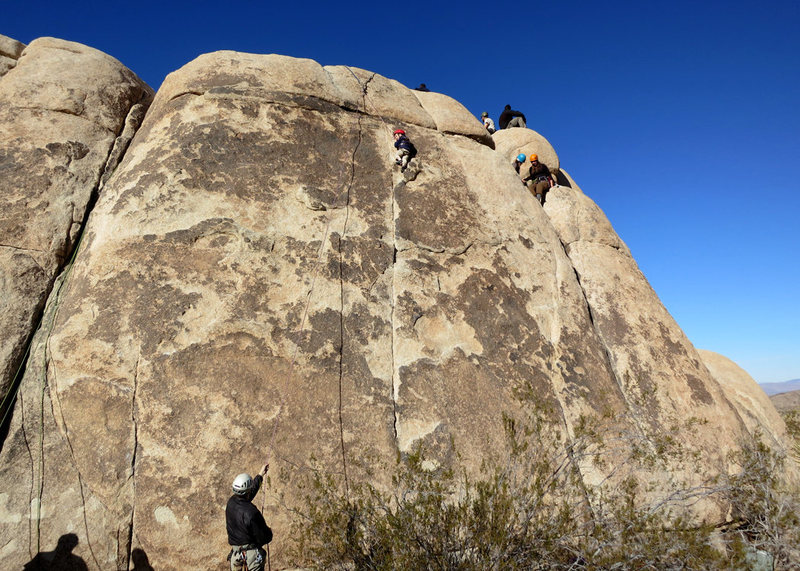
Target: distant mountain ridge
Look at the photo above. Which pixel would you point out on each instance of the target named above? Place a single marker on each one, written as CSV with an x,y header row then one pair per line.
x,y
786,402
784,387
253,254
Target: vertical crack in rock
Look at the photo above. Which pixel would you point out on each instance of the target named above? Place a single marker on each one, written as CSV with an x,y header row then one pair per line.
x,y
33,472
40,451
555,327
393,302
54,399
46,324
133,120
629,405
135,422
69,248
347,190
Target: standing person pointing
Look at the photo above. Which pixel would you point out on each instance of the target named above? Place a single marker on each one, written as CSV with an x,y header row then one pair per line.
x,y
247,530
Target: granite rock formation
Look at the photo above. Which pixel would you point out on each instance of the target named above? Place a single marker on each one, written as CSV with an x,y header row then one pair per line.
x,y
63,107
10,50
511,142
756,409
257,279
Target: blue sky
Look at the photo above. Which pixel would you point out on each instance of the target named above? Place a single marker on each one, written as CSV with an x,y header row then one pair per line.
x,y
678,118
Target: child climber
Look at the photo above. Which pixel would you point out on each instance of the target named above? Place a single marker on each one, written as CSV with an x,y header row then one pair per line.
x,y
405,149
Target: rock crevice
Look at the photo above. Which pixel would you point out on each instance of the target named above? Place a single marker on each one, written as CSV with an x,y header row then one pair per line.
x,y
252,254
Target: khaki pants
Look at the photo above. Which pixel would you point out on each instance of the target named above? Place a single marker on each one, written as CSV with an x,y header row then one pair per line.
x,y
255,560
539,189
516,122
402,157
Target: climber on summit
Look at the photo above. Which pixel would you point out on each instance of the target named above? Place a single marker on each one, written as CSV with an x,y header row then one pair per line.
x,y
487,122
247,530
510,118
422,87
539,179
405,149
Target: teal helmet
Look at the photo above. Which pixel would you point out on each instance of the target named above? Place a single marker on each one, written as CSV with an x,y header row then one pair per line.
x,y
521,158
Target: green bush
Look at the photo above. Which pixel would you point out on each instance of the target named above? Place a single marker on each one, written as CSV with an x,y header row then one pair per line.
x,y
530,509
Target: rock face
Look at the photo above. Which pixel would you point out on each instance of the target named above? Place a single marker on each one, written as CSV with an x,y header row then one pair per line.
x,y
10,51
258,280
62,107
658,369
755,407
511,142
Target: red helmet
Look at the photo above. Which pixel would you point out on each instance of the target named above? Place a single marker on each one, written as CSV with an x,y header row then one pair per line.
x,y
399,132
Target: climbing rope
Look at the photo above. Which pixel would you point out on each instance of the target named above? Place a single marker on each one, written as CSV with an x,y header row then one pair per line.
x,y
13,388
317,263
47,329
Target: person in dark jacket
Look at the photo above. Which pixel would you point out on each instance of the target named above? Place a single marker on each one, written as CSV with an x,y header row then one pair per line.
x,y
405,149
247,530
539,179
510,118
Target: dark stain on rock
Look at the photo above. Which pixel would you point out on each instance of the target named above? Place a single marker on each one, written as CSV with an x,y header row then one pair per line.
x,y
153,313
318,198
425,262
405,308
438,213
325,329
699,391
586,372
362,327
364,260
613,325
71,150
225,157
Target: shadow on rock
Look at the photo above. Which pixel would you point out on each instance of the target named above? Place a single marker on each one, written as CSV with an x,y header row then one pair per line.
x,y
140,561
61,559
561,180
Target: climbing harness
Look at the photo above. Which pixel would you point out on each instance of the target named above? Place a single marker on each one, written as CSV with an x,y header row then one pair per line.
x,y
301,327
315,272
238,556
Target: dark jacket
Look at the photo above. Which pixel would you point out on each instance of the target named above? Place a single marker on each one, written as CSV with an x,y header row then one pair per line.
x,y
244,522
402,142
507,115
538,170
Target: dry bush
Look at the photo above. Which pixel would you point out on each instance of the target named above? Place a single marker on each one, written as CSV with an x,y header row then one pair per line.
x,y
532,510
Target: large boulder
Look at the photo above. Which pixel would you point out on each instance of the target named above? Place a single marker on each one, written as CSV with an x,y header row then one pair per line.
x,y
753,405
516,140
258,280
62,109
10,50
660,373
452,117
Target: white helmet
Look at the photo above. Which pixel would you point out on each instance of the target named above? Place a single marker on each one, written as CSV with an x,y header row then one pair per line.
x,y
242,484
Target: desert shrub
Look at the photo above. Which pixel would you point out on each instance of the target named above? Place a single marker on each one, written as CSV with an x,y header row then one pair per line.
x,y
530,509
792,420
765,507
